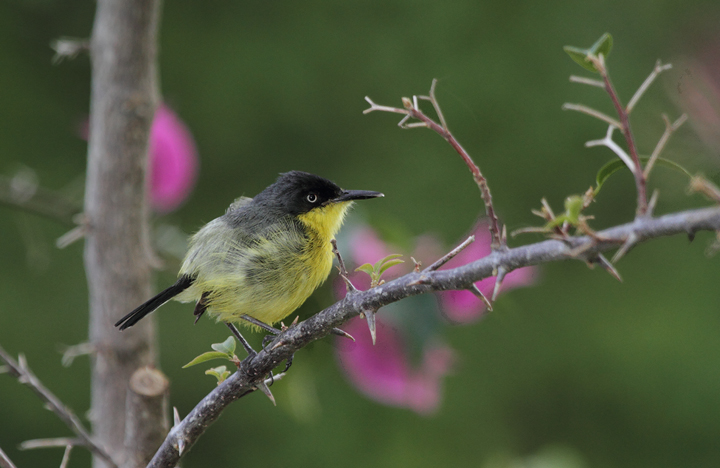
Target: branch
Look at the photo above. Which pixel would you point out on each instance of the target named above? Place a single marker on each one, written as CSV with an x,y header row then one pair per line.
x,y
5,461
253,369
26,195
412,110
25,376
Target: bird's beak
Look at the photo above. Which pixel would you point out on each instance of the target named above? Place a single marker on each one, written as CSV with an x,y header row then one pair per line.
x,y
349,195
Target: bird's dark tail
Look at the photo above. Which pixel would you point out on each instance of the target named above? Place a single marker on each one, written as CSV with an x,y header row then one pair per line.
x,y
136,315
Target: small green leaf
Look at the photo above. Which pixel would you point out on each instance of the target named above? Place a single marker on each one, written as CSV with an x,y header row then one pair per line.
x,y
616,164
366,268
580,56
204,357
220,373
227,346
388,264
602,46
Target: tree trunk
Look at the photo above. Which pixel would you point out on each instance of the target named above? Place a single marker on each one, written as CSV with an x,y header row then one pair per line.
x,y
124,96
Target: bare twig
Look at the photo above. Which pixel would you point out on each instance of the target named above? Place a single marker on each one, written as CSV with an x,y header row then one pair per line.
x,y
623,115
610,143
49,443
450,255
28,196
670,128
319,325
66,457
592,113
412,111
587,81
25,376
5,461
659,68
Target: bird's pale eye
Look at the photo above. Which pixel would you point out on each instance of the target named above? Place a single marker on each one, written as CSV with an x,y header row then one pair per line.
x,y
312,198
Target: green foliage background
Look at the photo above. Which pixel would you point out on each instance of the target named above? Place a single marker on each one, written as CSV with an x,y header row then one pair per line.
x,y
617,375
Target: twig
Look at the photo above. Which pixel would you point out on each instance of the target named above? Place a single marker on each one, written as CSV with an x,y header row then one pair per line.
x,y
49,443
412,111
66,457
610,143
25,376
592,113
450,255
320,324
669,130
16,193
5,461
587,81
659,68
623,114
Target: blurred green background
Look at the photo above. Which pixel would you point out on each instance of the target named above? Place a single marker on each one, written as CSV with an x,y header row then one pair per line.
x,y
602,373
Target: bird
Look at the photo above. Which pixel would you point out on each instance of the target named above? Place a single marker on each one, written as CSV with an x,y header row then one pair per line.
x,y
264,257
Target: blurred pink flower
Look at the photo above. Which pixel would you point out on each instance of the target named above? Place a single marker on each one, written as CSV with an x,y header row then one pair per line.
x,y
463,306
173,161
173,165
383,372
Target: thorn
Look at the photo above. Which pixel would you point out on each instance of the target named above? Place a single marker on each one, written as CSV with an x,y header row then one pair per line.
x,y
370,316
421,280
691,235
475,290
344,334
652,203
498,282
417,265
262,386
629,243
277,345
176,417
608,267
503,237
180,445
295,322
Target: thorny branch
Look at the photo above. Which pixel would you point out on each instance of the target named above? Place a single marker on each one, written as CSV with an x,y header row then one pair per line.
x,y
25,376
412,110
254,369
632,160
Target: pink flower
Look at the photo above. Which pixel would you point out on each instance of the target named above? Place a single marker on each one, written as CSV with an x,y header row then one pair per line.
x,y
173,161
383,372
463,306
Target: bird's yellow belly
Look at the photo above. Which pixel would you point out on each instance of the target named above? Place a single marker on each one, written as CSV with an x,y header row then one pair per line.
x,y
267,290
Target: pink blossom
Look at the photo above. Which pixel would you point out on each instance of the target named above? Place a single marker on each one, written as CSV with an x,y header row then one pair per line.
x,y
383,372
173,161
463,306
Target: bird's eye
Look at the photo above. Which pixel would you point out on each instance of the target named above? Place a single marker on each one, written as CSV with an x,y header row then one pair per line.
x,y
312,198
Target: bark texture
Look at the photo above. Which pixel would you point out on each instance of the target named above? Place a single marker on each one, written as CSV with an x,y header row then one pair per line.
x,y
124,97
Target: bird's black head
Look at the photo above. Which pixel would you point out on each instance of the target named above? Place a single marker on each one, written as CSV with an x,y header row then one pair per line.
x,y
297,192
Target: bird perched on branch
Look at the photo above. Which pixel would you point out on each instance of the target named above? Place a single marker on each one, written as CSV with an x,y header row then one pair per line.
x,y
264,257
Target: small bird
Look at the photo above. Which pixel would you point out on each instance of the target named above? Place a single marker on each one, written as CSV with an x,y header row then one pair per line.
x,y
264,257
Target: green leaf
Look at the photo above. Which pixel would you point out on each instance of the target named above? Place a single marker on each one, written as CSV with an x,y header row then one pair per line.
x,y
388,264
580,56
204,357
380,262
227,346
602,46
616,164
367,268
220,373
